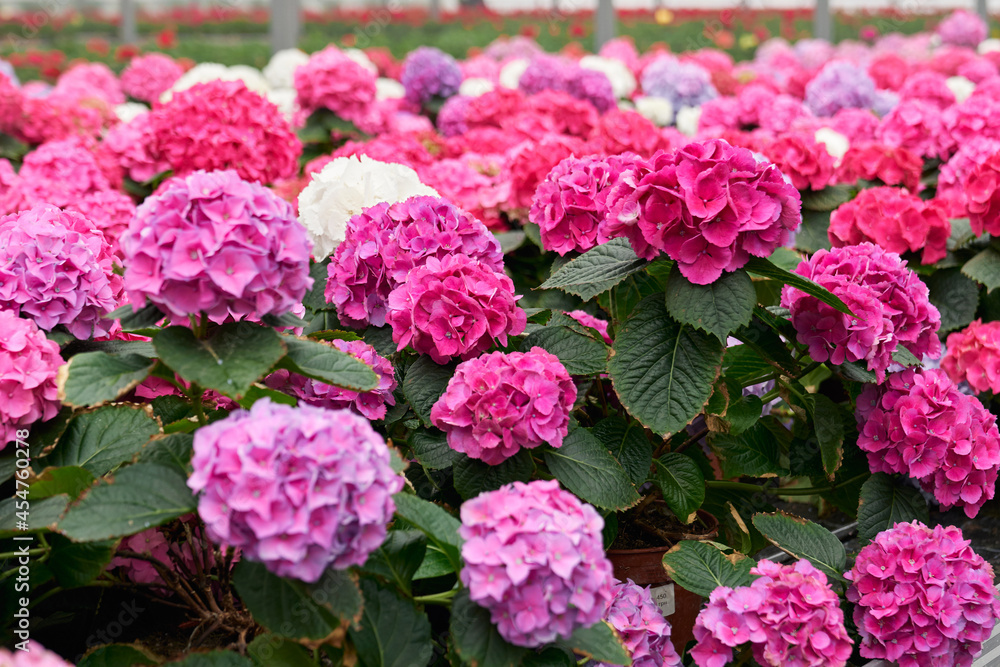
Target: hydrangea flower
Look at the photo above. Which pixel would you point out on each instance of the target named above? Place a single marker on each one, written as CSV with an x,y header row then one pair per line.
x,y
371,404
215,244
111,211
500,403
685,84
895,220
472,182
918,423
973,356
839,85
29,363
641,625
588,320
56,268
454,307
35,656
592,86
298,489
528,163
333,80
430,73
930,87
130,145
892,165
146,77
806,162
225,125
564,585
151,542
922,597
385,242
982,190
280,69
623,131
60,173
789,613
89,81
889,301
914,125
962,28
955,172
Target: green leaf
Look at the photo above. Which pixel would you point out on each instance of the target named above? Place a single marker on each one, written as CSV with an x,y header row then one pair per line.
x,y
886,501
984,268
141,496
828,198
754,453
104,439
663,371
744,413
115,655
473,477
229,361
700,567
267,650
961,234
213,659
904,357
682,484
430,447
170,450
598,642
43,515
423,385
399,557
76,565
550,657
324,362
435,564
586,467
440,527
828,426
814,234
315,298
257,392
392,632
132,320
71,480
597,270
765,268
510,241
581,355
476,639
93,378
719,308
627,442
801,538
955,296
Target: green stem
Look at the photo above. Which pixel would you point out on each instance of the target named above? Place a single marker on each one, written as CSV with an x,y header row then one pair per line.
x,y
443,599
15,554
800,491
809,369
195,394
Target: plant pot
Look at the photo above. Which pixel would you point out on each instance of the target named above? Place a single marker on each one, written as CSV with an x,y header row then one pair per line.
x,y
645,568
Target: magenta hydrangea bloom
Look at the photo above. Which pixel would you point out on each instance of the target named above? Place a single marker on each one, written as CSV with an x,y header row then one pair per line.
x,y
596,323
385,242
918,423
298,489
642,627
973,356
789,613
35,656
332,80
454,307
922,597
213,243
430,73
147,76
889,301
709,206
29,364
565,584
371,404
500,403
56,268
571,202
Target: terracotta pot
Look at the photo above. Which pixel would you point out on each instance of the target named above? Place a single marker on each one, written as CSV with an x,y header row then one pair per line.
x,y
645,568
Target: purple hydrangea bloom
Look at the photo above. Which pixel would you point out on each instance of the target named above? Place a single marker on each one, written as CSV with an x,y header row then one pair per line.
x,y
962,28
684,84
545,72
884,102
451,117
642,627
298,489
592,86
840,85
430,73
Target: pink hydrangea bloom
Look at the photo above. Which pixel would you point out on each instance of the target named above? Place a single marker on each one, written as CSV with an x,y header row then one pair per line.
x,y
918,423
803,160
331,80
371,404
879,162
385,242
588,320
110,211
570,203
147,76
982,191
11,200
642,627
922,597
454,307
564,585
224,125
131,146
955,172
914,125
151,542
973,120
552,112
789,613
621,131
298,489
56,268
709,206
471,184
528,163
889,302
89,80
962,28
60,173
973,356
212,243
930,87
35,656
29,363
500,403
858,125
895,220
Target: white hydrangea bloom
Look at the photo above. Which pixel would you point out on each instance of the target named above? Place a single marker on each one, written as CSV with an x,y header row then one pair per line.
x,y
961,87
389,89
657,109
475,86
988,45
622,80
510,74
128,111
834,142
361,58
206,72
280,70
286,101
687,120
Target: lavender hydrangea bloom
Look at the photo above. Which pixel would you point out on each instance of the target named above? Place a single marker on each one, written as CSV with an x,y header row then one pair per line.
x,y
545,72
684,84
884,102
840,85
592,86
430,73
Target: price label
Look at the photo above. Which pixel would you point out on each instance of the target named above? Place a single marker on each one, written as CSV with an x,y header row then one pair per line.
x,y
663,596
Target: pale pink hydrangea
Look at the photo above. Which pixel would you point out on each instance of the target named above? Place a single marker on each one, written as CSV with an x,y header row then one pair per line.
x,y
973,356
454,307
332,80
89,80
371,404
153,543
60,173
975,119
146,77
29,363
889,301
789,613
930,87
955,172
982,196
212,243
962,28
500,403
922,597
527,165
35,656
10,189
642,627
298,489
566,582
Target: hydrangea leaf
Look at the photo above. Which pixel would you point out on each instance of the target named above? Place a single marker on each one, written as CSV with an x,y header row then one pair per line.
x,y
682,484
399,557
627,442
116,655
597,270
600,643
801,538
327,364
579,354
423,385
586,467
828,425
984,268
473,477
827,199
44,515
104,439
700,567
77,564
754,453
719,308
767,269
886,501
214,659
430,447
94,378
266,650
476,639
955,296
813,233
391,632
440,527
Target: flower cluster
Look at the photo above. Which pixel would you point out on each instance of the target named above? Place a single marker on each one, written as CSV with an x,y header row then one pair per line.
x,y
642,627
35,656
914,125
147,76
982,190
29,363
878,162
57,269
889,303
789,613
225,125
111,211
500,403
332,80
684,84
60,173
973,356
528,163
962,28
565,584
839,85
130,145
215,244
895,220
385,242
429,74
298,489
371,404
919,423
922,597
454,307
153,543
709,206
803,160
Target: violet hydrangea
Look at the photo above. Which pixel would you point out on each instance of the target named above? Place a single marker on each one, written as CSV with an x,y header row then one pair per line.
x,y
566,582
839,85
298,489
29,364
685,84
642,627
430,73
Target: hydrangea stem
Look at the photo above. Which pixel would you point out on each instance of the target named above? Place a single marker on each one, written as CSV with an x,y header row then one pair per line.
x,y
802,491
443,599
